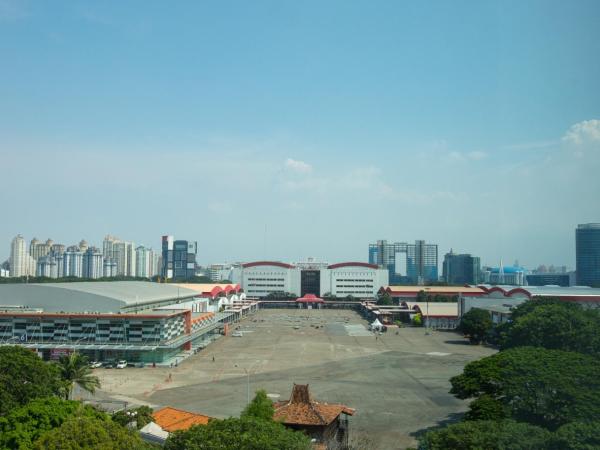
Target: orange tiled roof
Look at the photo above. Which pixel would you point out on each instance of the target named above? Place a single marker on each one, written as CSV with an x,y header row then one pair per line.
x,y
300,409
173,419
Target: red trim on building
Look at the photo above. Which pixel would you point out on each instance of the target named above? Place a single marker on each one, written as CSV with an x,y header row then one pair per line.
x,y
267,263
96,316
353,264
518,290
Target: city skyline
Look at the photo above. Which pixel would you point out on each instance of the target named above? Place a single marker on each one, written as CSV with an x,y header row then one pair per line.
x,y
397,121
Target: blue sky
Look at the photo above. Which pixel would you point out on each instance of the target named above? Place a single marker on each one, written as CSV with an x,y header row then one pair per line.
x,y
329,124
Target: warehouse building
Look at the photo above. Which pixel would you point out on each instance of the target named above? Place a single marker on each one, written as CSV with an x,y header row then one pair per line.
x,y
136,321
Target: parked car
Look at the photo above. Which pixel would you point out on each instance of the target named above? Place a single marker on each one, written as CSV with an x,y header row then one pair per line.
x,y
237,334
121,364
95,364
109,365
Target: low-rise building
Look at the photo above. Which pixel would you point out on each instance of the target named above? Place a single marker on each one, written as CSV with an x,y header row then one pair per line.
x,y
325,423
136,321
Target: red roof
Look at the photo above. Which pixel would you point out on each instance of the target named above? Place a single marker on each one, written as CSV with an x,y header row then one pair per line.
x,y
173,419
353,264
301,409
268,263
310,298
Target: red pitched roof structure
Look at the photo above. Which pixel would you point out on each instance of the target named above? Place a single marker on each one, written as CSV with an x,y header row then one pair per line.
x,y
173,419
301,409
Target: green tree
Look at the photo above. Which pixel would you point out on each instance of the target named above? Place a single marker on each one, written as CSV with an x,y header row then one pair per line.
x,y
555,325
88,433
24,377
486,435
246,433
385,299
476,324
417,320
142,416
23,426
548,388
261,407
577,436
74,368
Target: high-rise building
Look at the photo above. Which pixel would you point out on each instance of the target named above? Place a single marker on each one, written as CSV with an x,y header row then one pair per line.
x,y
121,252
145,265
38,249
83,246
461,268
22,263
587,250
47,266
73,262
109,268
93,263
57,249
406,263
178,258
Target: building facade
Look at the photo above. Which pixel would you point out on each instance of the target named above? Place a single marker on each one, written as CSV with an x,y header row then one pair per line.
x,y
73,262
93,263
546,279
461,269
406,263
145,262
178,258
22,264
587,250
355,279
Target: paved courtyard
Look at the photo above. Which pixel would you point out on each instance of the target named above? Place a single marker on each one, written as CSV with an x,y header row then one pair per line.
x,y
398,382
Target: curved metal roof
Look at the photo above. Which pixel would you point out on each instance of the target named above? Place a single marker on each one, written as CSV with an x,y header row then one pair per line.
x,y
97,296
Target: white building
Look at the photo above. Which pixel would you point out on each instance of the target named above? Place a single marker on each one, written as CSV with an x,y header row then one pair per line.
x,y
93,263
109,268
219,272
356,279
47,266
22,263
73,262
146,263
121,252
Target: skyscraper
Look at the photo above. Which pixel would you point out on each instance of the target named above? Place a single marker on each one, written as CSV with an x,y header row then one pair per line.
x,y
121,252
461,268
587,254
73,262
21,263
178,258
93,263
406,263
145,262
38,249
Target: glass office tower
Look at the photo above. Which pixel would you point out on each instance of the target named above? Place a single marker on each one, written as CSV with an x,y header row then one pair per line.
x,y
587,249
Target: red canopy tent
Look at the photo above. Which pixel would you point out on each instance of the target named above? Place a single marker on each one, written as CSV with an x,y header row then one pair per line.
x,y
309,298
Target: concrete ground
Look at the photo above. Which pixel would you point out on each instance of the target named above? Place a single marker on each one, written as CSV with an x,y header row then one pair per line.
x,y
398,383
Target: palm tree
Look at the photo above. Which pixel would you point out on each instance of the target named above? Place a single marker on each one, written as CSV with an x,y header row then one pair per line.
x,y
74,368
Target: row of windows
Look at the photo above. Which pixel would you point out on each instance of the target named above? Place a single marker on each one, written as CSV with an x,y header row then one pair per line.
x,y
266,285
266,279
366,280
354,286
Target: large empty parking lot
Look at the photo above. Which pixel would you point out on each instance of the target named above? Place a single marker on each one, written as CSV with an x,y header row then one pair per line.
x,y
397,382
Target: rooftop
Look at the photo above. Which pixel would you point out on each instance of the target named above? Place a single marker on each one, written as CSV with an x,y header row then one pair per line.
x,y
173,419
455,290
301,409
88,296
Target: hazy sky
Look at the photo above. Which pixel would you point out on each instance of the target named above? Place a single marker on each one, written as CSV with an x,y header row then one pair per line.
x,y
472,124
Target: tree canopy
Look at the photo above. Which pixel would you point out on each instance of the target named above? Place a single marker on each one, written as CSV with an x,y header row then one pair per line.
x,y
486,435
476,324
544,387
246,433
261,407
385,299
24,377
554,324
23,426
89,433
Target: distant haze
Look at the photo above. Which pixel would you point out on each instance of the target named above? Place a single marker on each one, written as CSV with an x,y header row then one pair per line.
x,y
283,130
